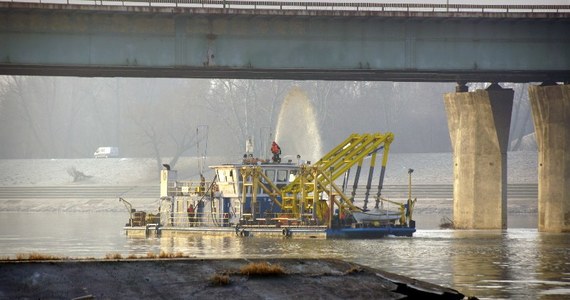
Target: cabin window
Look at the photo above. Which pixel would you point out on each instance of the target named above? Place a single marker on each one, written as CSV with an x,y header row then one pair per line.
x,y
270,174
222,176
282,175
235,176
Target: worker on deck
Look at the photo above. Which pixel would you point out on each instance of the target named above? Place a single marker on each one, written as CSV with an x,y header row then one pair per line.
x,y
191,215
276,150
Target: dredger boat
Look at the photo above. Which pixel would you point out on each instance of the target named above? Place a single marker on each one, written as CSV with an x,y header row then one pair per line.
x,y
288,199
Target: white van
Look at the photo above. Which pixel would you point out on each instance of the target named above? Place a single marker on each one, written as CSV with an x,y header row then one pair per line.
x,y
106,152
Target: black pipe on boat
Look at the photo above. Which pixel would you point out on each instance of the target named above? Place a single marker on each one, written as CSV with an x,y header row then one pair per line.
x,y
356,177
380,183
369,182
345,181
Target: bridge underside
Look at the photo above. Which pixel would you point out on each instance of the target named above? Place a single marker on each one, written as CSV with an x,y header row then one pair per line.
x,y
110,41
285,74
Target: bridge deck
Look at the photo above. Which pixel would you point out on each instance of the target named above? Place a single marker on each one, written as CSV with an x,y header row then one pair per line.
x,y
286,40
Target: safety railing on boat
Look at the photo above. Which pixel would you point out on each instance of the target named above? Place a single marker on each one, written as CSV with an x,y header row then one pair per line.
x,y
196,219
321,5
217,220
188,187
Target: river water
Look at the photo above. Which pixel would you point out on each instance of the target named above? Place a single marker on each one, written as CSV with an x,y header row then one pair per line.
x,y
519,263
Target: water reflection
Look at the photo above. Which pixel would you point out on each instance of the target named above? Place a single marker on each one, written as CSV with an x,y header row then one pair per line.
x,y
203,246
515,264
474,260
553,269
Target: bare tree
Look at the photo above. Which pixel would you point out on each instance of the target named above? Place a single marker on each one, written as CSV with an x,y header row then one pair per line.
x,y
29,103
237,101
164,116
50,116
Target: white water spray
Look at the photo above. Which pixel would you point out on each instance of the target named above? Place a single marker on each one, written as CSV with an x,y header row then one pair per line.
x,y
297,131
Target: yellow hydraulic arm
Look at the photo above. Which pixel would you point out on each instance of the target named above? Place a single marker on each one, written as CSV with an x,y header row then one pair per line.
x,y
252,176
301,195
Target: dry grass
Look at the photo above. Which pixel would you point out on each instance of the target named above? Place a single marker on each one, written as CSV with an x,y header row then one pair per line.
x,y
353,270
164,255
171,255
113,256
38,256
220,280
262,269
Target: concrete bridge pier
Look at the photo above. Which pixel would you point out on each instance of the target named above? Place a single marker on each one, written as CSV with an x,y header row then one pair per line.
x,y
479,124
551,115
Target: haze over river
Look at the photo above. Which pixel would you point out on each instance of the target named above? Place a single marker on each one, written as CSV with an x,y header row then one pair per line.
x,y
519,263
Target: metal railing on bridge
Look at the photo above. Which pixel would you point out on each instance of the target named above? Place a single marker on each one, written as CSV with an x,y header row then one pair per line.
x,y
319,6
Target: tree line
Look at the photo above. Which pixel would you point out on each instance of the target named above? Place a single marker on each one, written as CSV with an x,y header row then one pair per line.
x,y
67,117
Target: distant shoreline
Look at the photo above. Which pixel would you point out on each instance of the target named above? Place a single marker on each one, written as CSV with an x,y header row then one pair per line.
x,y
430,168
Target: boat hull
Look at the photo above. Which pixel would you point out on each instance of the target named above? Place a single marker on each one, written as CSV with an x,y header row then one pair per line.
x,y
271,231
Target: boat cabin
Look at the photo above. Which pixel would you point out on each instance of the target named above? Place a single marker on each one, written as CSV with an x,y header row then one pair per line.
x,y
230,185
221,202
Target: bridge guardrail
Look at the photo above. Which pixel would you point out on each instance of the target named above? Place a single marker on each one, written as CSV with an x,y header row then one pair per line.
x,y
315,5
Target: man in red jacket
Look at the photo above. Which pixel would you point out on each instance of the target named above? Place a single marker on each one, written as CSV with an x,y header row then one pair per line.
x,y
276,150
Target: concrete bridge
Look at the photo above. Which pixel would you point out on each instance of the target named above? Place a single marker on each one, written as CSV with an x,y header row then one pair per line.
x,y
284,40
339,41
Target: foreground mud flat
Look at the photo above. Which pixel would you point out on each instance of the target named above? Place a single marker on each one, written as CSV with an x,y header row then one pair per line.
x,y
208,279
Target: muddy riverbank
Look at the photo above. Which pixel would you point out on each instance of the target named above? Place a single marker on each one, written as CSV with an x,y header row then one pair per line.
x,y
208,279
